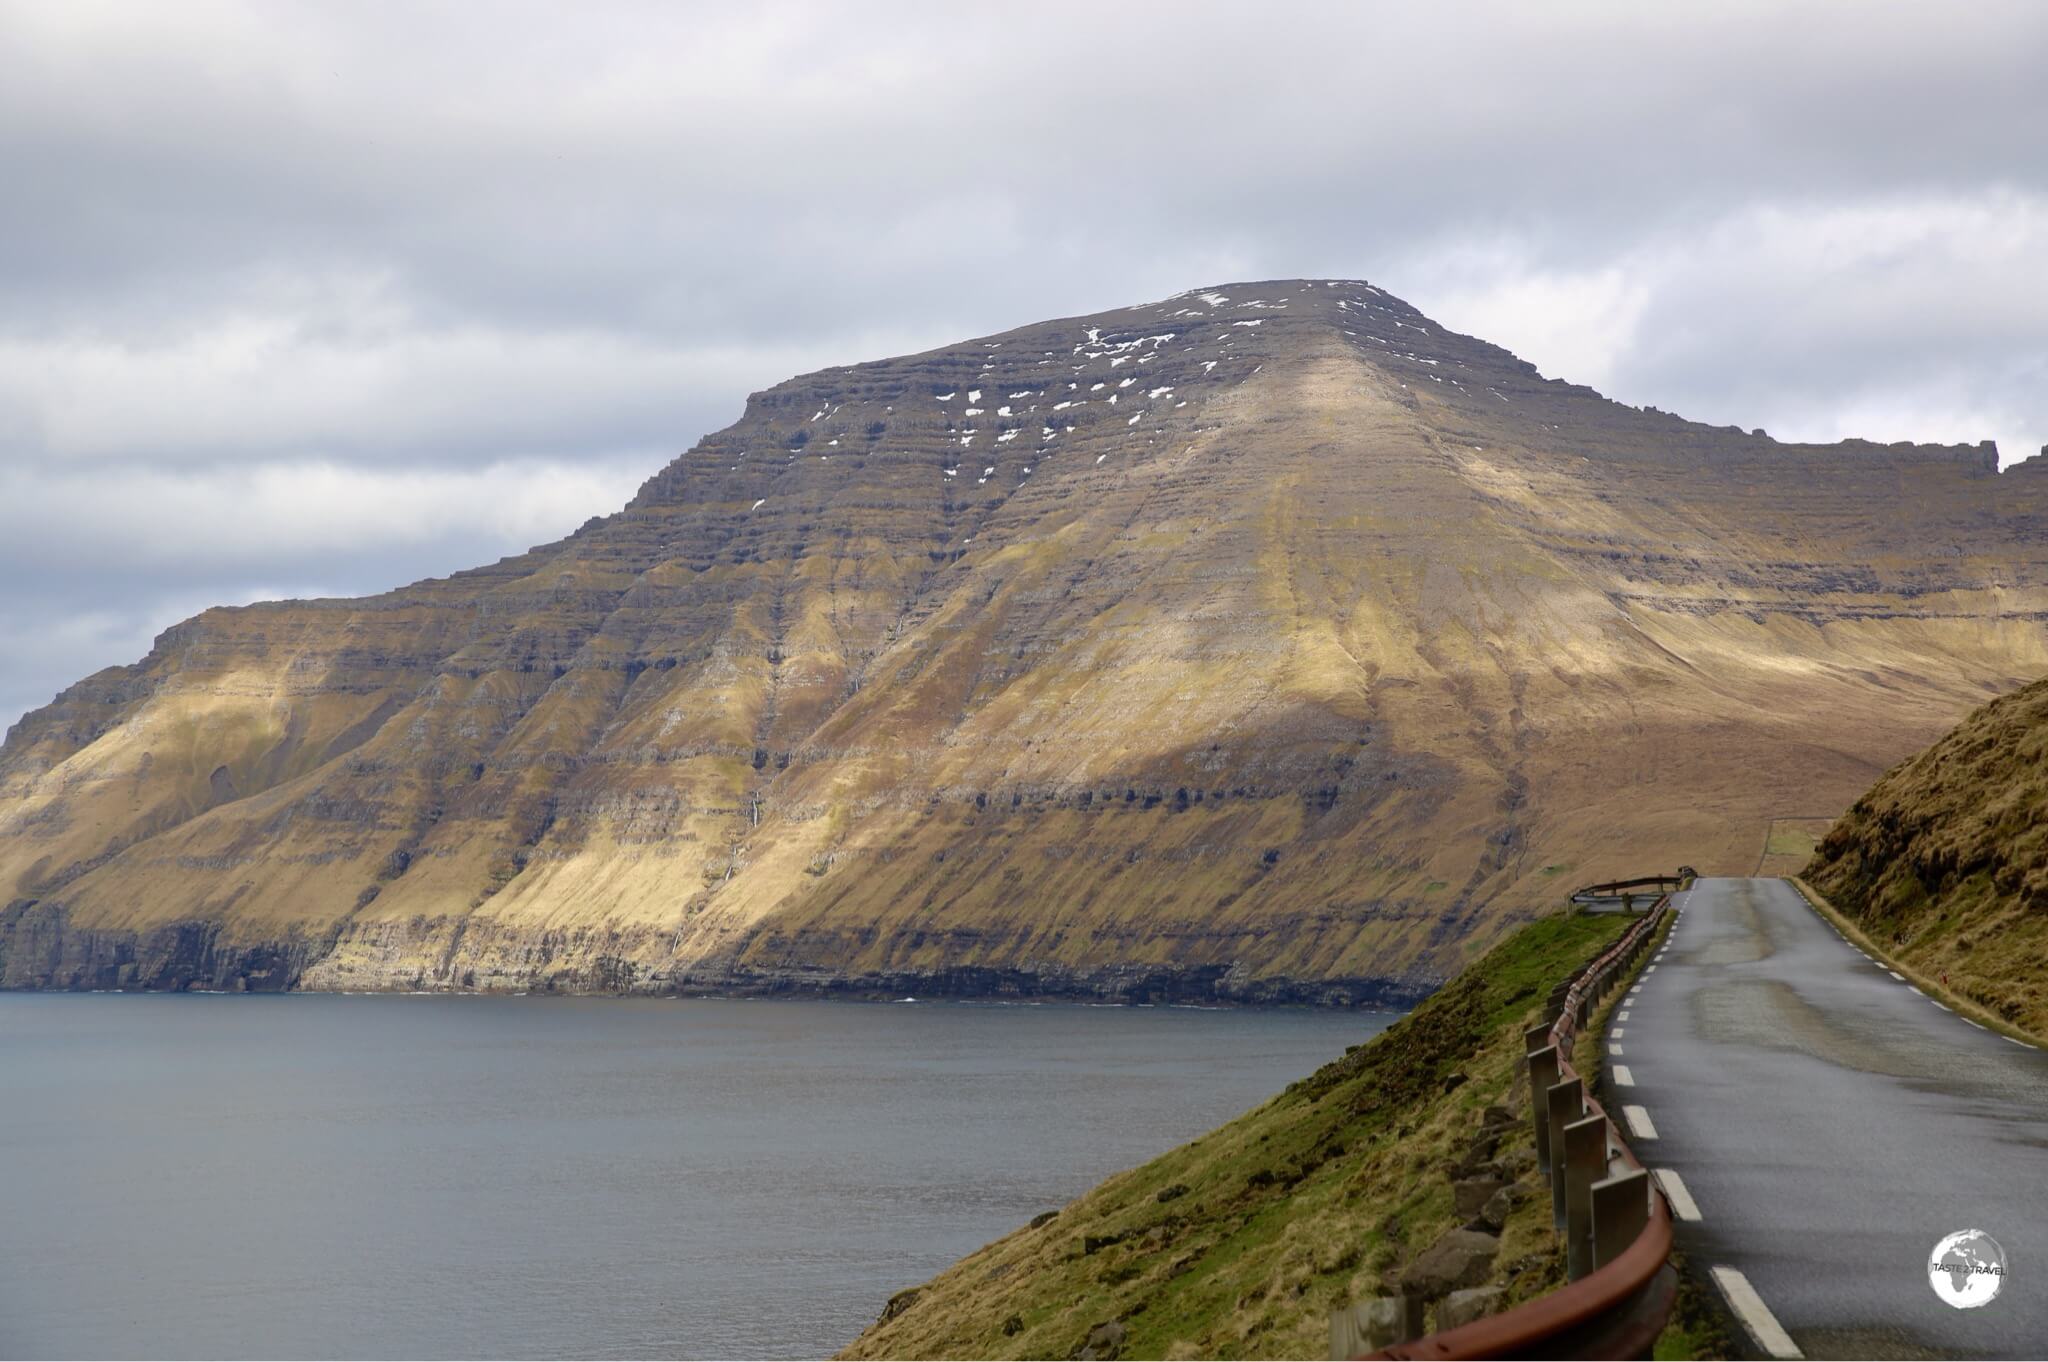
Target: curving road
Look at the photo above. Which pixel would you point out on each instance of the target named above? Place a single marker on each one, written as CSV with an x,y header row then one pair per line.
x,y
1820,1125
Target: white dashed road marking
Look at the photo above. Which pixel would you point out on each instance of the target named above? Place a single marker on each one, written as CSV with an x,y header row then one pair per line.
x,y
1755,1315
1621,1016
1639,1123
1896,975
1614,1050
1622,1077
1682,1204
1618,1032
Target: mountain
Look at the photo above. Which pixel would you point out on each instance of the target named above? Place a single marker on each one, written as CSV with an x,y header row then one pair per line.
x,y
1945,861
1269,642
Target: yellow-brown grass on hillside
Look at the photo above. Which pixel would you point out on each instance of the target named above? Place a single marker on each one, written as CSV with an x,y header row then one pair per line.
x,y
1944,863
1240,1243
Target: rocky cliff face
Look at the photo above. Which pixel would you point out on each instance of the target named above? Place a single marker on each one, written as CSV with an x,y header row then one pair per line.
x,y
1945,860
1266,642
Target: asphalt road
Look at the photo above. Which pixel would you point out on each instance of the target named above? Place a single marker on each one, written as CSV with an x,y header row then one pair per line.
x,y
1830,1124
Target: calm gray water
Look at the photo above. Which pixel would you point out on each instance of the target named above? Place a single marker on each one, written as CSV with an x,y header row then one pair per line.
x,y
429,1176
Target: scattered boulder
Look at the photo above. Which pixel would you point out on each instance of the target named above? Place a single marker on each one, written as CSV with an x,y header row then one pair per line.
x,y
1013,1326
1468,1198
1479,1151
1516,1162
898,1303
1492,1218
1453,1082
1498,1118
1463,1307
1458,1259
1043,1218
1173,1193
1104,1340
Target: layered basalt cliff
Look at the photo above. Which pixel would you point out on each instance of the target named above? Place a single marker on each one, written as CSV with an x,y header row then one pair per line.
x,y
1267,642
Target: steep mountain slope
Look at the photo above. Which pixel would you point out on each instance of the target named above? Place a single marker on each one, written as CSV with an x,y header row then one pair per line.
x,y
1945,860
1270,641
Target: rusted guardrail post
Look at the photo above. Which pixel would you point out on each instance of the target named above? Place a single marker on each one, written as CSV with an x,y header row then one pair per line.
x,y
1566,1103
1542,1074
1585,1162
1621,1208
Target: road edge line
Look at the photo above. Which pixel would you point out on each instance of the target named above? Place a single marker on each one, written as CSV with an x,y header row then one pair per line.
x,y
1756,1317
1675,1192
1967,1009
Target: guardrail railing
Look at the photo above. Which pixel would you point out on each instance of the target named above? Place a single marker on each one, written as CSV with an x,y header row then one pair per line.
x,y
1615,1223
1646,887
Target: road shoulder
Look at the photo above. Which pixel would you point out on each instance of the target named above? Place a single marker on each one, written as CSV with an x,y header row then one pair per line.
x,y
1933,988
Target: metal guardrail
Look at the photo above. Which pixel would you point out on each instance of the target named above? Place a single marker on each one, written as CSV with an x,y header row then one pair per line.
x,y
1623,894
1615,891
1616,1224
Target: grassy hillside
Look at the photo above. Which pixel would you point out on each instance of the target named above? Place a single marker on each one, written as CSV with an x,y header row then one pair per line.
x,y
1944,863
1240,1243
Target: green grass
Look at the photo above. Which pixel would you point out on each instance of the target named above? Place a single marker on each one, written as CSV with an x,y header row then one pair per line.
x,y
1791,842
1696,1329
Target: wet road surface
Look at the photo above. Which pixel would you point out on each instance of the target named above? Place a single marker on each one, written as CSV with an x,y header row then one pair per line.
x,y
1828,1124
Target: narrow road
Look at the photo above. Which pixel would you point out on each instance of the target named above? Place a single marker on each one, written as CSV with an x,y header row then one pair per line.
x,y
1827,1124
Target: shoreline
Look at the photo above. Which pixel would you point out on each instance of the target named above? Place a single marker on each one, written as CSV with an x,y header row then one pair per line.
x,y
1289,995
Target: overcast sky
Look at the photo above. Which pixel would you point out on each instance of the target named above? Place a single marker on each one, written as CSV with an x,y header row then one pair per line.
x,y
302,299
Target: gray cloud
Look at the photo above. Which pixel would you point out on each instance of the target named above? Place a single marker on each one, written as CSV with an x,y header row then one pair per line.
x,y
326,297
